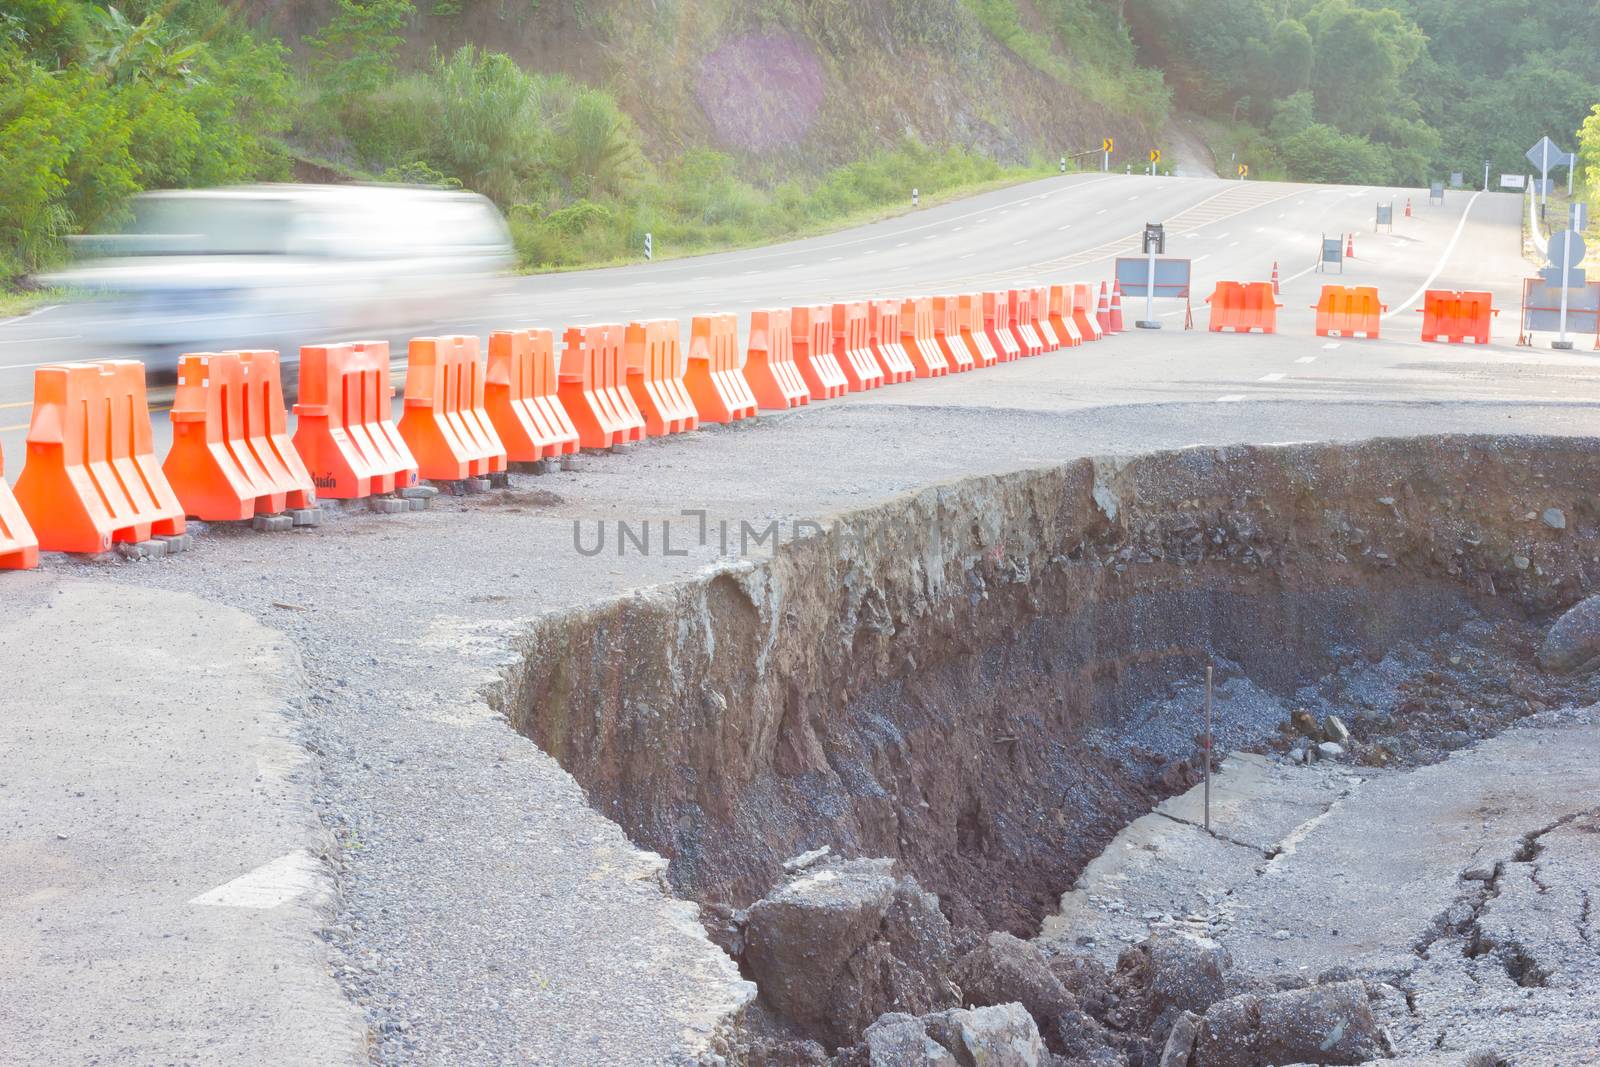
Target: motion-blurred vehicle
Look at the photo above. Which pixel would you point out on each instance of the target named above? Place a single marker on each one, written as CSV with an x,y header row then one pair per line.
x,y
278,266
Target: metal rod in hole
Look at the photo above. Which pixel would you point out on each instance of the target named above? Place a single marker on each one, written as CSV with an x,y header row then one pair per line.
x,y
1207,753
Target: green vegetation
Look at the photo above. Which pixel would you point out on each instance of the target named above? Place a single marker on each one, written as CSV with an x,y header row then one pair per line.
x,y
97,103
1380,91
697,142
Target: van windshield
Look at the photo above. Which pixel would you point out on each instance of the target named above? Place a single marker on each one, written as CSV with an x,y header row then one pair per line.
x,y
205,225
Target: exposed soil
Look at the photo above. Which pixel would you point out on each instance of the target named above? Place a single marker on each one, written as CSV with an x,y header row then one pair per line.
x,y
986,681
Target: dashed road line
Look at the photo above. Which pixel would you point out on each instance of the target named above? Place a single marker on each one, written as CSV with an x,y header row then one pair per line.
x,y
1231,398
1306,359
1276,376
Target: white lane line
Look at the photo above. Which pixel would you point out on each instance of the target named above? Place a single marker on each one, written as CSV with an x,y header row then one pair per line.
x,y
1330,346
902,244
1449,249
1197,259
41,340
1102,211
1018,244
969,255
835,259
269,885
1276,377
1306,359
1064,229
1233,244
1231,398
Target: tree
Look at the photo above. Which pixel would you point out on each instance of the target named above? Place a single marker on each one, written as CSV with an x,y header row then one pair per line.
x,y
355,53
1361,54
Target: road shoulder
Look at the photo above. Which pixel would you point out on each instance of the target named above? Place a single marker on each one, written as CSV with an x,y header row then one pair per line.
x,y
162,875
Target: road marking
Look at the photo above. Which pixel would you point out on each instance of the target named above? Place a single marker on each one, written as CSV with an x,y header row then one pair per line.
x,y
1064,229
1102,211
269,885
1449,250
1233,244
1016,244
969,255
1231,398
1306,359
835,259
1197,259
1330,346
41,340
902,244
1275,377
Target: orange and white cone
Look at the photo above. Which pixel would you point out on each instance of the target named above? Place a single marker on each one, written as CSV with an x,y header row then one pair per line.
x,y
1116,307
1277,289
1102,313
1408,207
1350,246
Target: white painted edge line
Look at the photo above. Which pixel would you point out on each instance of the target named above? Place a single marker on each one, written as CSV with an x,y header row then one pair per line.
x,y
1408,303
1231,398
1276,376
1330,346
273,883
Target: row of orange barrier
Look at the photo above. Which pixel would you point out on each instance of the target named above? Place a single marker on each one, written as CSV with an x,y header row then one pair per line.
x,y
1354,311
91,479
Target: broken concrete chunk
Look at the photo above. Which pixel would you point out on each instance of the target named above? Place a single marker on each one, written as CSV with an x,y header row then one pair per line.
x,y
1329,750
1555,518
898,1040
1573,643
1001,1035
805,859
1006,969
1180,1041
1329,1024
839,945
1334,729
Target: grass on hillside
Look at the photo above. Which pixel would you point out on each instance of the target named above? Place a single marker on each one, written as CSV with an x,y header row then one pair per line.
x,y
14,302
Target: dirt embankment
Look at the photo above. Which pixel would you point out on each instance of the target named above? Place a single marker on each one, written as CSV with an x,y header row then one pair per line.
x,y
922,681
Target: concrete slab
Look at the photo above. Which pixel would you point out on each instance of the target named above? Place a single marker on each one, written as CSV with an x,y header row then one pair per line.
x,y
161,871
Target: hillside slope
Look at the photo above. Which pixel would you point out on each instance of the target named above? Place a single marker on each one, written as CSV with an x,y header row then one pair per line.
x,y
802,86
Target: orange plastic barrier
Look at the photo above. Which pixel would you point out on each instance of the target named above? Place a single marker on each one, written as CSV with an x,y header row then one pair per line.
x,y
519,394
852,349
1019,309
997,324
653,354
1347,311
91,478
769,362
720,391
344,429
19,548
811,333
592,386
1061,318
1046,330
1083,313
973,332
917,340
947,334
1243,307
444,421
231,458
1457,316
883,333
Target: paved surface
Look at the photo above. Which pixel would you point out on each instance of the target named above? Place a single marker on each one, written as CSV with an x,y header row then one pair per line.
x,y
487,914
161,868
1465,884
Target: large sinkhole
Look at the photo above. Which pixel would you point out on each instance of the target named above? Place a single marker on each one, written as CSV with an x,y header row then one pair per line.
x,y
964,678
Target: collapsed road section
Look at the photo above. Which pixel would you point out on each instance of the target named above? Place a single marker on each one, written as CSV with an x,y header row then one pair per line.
x,y
969,691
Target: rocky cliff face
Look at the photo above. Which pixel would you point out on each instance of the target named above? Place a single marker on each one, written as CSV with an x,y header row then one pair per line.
x,y
917,681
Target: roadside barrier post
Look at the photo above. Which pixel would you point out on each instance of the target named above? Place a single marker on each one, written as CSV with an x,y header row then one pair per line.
x,y
19,548
811,334
344,430
519,393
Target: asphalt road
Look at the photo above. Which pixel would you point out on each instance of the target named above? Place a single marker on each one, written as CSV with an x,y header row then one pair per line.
x,y
1059,229
485,912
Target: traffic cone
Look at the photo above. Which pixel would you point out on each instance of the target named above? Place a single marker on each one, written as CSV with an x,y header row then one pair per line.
x,y
1350,246
1116,307
1102,314
1277,289
1408,207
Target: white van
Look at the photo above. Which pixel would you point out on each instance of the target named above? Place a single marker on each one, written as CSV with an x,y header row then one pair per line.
x,y
278,266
